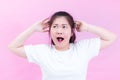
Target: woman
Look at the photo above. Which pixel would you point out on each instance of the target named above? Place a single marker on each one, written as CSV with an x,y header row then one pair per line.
x,y
64,59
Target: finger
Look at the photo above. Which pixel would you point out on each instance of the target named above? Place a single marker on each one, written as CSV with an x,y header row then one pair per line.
x,y
76,22
45,27
77,27
46,24
45,20
46,31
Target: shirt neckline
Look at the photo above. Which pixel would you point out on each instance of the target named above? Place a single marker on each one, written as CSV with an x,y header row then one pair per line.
x,y
57,51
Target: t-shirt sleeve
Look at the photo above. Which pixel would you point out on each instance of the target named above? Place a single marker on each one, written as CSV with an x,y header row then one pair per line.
x,y
91,46
36,53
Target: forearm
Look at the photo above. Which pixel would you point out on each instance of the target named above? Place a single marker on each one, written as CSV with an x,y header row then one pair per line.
x,y
17,45
19,41
101,32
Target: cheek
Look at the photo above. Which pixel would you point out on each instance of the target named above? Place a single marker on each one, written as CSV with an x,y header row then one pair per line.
x,y
68,34
52,34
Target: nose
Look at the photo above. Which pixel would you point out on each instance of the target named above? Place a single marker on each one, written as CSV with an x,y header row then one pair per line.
x,y
59,31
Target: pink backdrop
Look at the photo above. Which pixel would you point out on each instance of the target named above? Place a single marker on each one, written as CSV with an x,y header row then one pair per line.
x,y
18,15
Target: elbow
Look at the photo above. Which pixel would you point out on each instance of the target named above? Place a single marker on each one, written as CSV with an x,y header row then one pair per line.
x,y
114,37
10,47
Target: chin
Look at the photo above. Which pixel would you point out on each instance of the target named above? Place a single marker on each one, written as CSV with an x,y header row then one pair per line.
x,y
60,44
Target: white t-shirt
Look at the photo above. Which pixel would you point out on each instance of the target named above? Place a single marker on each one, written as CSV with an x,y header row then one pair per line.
x,y
64,65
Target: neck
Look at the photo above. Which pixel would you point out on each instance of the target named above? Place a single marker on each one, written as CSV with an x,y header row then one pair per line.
x,y
62,48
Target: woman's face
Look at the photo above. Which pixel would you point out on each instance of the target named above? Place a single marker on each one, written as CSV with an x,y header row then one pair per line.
x,y
60,32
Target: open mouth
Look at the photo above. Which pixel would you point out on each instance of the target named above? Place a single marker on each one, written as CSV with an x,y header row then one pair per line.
x,y
60,39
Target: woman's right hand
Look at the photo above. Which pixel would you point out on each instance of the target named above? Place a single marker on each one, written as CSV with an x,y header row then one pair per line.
x,y
17,45
41,26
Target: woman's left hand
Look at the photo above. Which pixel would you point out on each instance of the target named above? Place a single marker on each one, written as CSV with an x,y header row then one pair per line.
x,y
80,26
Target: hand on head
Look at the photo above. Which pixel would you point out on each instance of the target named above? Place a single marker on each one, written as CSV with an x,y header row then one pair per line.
x,y
45,25
80,26
42,26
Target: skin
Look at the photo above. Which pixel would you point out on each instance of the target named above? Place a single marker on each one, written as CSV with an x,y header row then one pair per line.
x,y
61,28
17,45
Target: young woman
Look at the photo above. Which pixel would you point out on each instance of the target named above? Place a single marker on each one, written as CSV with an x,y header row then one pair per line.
x,y
64,59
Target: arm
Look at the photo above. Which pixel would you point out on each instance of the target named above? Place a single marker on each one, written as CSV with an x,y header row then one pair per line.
x,y
106,36
17,45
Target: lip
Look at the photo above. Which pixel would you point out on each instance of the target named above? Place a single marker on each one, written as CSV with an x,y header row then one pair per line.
x,y
60,39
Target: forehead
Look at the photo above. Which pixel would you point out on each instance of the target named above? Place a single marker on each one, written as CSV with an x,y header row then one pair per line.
x,y
60,20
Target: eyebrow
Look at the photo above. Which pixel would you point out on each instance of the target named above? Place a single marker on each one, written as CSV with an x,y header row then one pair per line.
x,y
64,24
57,24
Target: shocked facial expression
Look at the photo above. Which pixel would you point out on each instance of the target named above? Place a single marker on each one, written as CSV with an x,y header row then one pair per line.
x,y
60,32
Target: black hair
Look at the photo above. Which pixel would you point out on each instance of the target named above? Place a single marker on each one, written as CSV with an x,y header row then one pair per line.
x,y
70,20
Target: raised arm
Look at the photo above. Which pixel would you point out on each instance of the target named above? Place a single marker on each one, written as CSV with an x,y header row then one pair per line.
x,y
17,45
106,36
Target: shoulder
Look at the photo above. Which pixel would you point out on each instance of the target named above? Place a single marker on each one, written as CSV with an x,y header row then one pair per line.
x,y
88,42
43,46
84,41
37,47
90,47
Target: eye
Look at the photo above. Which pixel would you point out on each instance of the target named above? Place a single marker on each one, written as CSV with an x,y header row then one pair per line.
x,y
54,26
64,26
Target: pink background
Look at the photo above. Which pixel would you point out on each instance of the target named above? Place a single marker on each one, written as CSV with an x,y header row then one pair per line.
x,y
18,15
